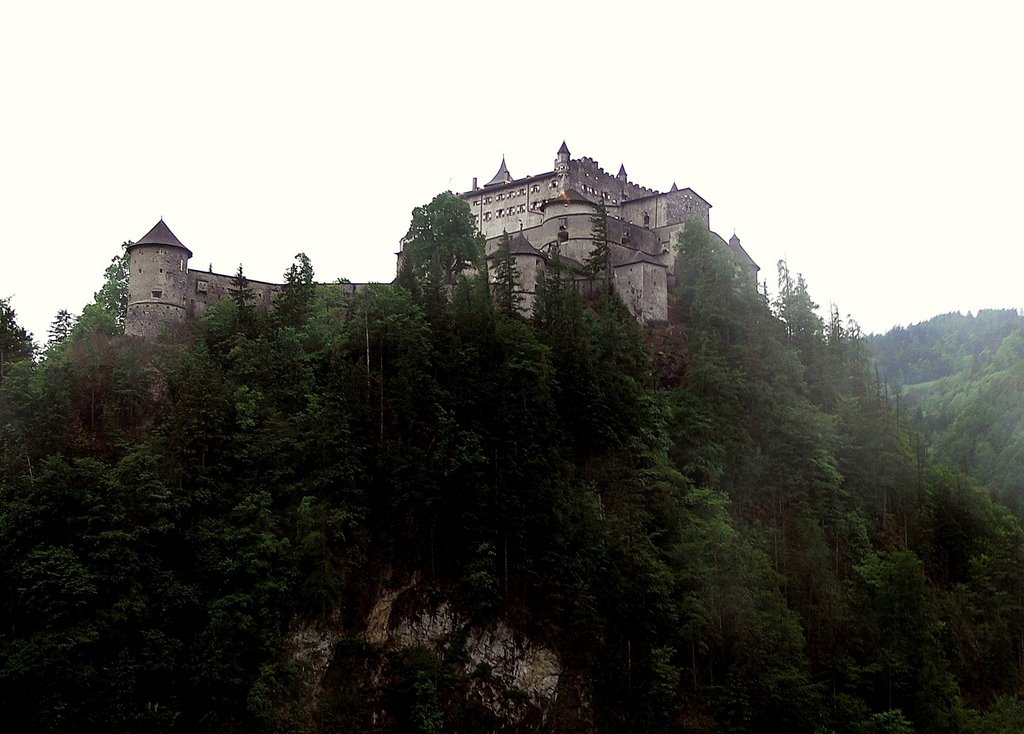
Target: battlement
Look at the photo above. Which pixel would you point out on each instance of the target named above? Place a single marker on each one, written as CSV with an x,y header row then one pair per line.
x,y
558,206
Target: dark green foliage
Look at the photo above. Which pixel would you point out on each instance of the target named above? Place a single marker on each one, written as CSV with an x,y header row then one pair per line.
x,y
113,296
15,342
599,261
753,540
442,241
506,290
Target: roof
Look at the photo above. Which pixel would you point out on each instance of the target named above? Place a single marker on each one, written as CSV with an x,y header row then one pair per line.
x,y
564,150
161,234
622,170
569,196
737,248
502,176
514,182
522,246
640,257
519,245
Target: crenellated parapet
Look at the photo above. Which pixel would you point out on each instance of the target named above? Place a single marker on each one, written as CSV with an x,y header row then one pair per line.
x,y
559,206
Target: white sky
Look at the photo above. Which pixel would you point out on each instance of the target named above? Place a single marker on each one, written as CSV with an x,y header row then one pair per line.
x,y
875,145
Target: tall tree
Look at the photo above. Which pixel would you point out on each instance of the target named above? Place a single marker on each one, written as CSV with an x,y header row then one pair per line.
x,y
599,262
113,296
15,341
293,305
60,328
506,276
443,240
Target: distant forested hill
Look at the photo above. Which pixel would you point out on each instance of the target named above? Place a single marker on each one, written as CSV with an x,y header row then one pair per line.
x,y
961,379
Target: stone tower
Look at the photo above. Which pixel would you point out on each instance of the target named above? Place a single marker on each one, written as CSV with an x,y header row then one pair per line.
x,y
157,282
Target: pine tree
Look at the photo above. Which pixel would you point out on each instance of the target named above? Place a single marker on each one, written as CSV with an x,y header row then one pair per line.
x,y
15,341
599,262
506,277
60,328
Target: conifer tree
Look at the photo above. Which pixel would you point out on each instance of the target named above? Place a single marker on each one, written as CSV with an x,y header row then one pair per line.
x,y
15,341
506,277
60,328
599,262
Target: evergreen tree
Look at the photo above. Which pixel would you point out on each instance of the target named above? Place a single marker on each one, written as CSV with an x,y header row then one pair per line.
x,y
598,264
15,342
60,328
506,277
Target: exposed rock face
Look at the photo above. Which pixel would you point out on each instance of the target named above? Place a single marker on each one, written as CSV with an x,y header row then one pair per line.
x,y
515,679
511,675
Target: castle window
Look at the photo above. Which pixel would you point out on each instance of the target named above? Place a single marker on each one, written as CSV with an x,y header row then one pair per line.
x,y
647,219
158,294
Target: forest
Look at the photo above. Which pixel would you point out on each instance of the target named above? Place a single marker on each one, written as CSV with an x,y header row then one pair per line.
x,y
730,522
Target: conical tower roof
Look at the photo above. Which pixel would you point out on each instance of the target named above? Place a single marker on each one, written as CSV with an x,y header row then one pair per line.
x,y
564,150
622,170
502,176
161,234
522,246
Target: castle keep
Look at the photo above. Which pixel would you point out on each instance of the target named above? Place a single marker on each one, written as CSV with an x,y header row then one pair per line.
x,y
557,207
541,212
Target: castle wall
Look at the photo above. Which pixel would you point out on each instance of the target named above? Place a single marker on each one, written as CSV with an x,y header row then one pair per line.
x,y
587,177
529,269
502,208
644,289
205,289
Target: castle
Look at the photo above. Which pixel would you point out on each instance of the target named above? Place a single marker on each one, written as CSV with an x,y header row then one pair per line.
x,y
538,211
557,206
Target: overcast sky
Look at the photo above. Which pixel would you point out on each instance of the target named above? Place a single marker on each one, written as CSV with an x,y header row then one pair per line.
x,y
876,146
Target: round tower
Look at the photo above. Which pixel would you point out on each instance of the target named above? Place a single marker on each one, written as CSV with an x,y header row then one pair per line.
x,y
157,282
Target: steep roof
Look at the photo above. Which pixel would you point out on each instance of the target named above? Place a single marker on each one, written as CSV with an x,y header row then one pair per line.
x,y
161,234
738,251
564,150
640,257
569,196
502,176
622,170
522,246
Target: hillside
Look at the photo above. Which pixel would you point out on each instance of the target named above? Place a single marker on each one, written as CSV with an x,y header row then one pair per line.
x,y
416,510
961,380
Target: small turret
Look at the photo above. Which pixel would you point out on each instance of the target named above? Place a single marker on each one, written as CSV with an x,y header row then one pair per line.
x,y
622,173
157,282
562,161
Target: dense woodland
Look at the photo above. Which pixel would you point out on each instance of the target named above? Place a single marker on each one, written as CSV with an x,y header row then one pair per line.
x,y
961,381
720,524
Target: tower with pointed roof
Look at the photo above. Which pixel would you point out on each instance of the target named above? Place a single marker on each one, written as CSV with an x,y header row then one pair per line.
x,y
157,282
558,206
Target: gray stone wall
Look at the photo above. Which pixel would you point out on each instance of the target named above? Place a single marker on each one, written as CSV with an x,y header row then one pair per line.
x,y
206,289
643,287
156,289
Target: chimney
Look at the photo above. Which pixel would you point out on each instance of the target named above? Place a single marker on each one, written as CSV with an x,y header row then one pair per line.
x,y
474,183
